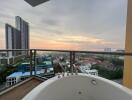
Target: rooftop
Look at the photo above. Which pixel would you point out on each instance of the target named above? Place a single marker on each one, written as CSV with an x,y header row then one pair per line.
x,y
18,74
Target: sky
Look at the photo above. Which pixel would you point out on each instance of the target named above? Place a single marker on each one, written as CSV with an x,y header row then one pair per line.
x,y
69,24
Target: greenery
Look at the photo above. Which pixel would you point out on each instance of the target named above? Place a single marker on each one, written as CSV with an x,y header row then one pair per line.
x,y
117,62
5,72
109,74
101,58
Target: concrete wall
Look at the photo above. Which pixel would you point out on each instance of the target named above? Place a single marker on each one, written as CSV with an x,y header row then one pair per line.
x,y
128,60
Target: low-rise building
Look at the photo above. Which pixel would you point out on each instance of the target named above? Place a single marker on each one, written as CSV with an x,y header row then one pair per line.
x,y
87,70
19,76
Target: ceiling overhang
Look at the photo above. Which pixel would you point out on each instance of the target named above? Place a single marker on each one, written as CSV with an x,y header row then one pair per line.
x,y
34,3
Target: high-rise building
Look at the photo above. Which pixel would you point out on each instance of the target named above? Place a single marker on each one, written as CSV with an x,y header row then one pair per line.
x,y
23,27
13,39
17,38
107,50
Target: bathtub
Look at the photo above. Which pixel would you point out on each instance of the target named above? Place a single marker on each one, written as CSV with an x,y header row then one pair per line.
x,y
79,87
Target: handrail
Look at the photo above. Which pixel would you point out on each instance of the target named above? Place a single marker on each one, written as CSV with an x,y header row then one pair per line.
x,y
92,52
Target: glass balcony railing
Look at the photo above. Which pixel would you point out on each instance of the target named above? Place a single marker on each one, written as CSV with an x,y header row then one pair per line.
x,y
18,65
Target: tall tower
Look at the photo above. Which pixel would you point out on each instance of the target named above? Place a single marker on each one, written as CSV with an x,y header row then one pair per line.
x,y
13,40
23,27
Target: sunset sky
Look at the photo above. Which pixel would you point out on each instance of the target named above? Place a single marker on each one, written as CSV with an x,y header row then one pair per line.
x,y
69,24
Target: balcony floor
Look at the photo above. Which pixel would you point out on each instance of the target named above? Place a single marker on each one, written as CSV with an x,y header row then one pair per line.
x,y
20,91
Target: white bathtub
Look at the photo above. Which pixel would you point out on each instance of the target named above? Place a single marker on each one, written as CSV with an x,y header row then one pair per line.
x,y
79,87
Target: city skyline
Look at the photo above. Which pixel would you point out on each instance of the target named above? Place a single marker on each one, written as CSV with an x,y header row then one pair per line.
x,y
62,24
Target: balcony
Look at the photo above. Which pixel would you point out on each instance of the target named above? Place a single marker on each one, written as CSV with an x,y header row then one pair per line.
x,y
34,66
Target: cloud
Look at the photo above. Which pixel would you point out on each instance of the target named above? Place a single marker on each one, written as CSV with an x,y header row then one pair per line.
x,y
70,42
50,22
80,23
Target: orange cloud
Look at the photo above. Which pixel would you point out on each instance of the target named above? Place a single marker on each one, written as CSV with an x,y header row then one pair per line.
x,y
71,42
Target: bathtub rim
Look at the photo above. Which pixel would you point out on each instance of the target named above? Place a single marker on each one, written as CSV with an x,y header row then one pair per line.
x,y
32,94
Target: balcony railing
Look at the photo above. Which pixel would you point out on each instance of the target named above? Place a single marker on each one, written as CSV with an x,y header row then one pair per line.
x,y
16,65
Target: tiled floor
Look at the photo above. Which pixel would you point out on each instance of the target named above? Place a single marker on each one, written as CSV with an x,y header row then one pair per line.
x,y
19,92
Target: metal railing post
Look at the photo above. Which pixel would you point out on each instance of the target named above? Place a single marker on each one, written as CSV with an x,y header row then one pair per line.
x,y
73,57
34,62
31,67
72,60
